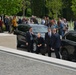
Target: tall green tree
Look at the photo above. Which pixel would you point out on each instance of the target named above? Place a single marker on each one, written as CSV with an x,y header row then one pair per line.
x,y
38,7
25,5
10,7
66,10
74,6
54,7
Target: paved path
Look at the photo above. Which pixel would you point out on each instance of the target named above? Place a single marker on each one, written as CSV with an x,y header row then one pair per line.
x,y
8,40
14,62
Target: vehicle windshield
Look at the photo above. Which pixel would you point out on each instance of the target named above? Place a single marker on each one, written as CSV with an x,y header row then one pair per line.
x,y
39,28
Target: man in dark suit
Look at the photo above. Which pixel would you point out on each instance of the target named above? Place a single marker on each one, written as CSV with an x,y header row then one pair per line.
x,y
29,40
47,41
55,43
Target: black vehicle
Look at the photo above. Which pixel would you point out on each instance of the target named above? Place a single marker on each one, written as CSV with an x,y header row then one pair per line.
x,y
23,28
68,49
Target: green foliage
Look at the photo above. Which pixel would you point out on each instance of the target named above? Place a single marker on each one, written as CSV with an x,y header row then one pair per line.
x,y
27,3
74,6
10,7
28,12
54,7
38,7
25,6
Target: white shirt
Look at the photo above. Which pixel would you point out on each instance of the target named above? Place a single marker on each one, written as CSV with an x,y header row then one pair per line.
x,y
49,33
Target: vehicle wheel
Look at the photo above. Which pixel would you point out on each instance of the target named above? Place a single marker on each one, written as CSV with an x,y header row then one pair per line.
x,y
34,47
18,44
65,55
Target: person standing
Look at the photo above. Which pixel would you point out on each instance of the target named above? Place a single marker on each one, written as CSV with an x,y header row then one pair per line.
x,y
30,40
10,24
40,44
43,21
14,23
0,25
60,28
7,23
55,43
47,41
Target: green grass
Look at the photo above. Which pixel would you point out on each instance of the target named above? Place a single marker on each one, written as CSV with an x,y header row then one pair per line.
x,y
71,25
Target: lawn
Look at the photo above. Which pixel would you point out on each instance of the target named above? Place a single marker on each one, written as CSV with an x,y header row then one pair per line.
x,y
71,25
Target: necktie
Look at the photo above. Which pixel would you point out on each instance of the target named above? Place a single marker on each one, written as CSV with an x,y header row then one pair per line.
x,y
31,36
49,34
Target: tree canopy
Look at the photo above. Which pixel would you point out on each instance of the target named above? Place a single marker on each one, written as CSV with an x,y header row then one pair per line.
x,y
51,8
38,7
10,7
74,6
54,7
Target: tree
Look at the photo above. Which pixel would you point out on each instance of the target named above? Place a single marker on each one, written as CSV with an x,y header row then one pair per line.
x,y
74,6
10,7
38,7
25,5
66,9
54,7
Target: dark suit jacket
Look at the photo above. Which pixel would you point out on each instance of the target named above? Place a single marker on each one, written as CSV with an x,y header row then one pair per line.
x,y
40,41
55,41
47,39
28,37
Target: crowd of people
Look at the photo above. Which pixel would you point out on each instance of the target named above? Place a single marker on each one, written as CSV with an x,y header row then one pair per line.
x,y
10,23
61,25
52,40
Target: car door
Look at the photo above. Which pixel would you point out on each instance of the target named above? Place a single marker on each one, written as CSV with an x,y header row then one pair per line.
x,y
70,43
21,37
